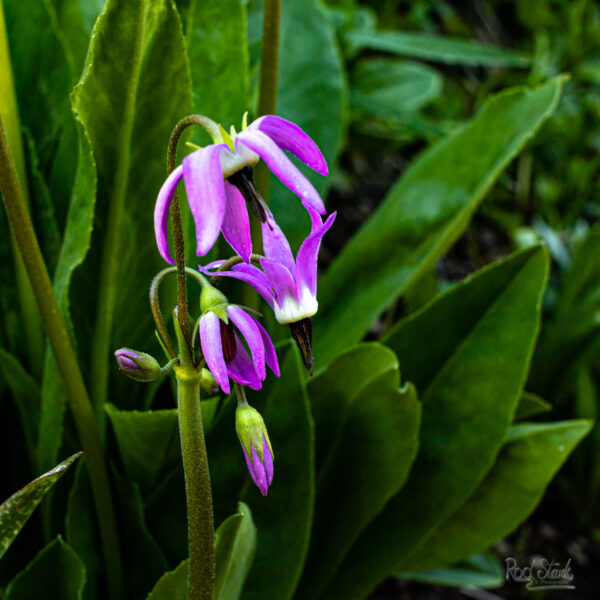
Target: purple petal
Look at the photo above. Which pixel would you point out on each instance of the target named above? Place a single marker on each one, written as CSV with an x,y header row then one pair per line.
x,y
206,194
281,279
267,461
270,354
247,326
282,166
215,264
236,225
306,261
290,137
212,348
161,213
258,473
241,369
257,280
275,244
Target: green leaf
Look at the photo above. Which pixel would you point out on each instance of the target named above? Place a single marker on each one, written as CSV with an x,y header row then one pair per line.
x,y
218,57
172,585
26,394
506,497
437,48
478,338
56,570
284,517
370,462
531,405
148,442
135,88
331,392
480,571
75,245
386,89
15,511
423,215
235,542
311,93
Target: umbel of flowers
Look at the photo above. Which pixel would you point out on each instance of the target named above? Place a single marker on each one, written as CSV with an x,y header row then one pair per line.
x,y
228,343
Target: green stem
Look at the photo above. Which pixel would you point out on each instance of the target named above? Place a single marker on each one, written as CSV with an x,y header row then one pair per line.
x,y
66,360
9,112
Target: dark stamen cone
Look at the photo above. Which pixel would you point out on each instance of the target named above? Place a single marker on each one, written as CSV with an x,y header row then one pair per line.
x,y
302,333
228,342
244,182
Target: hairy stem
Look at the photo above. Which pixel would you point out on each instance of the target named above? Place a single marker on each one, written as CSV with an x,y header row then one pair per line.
x,y
66,360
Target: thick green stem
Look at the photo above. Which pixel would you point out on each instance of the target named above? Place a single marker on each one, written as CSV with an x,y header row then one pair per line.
x,y
197,485
9,112
66,360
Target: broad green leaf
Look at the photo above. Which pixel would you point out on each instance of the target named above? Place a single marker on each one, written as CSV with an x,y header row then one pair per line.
x,y
15,511
283,518
506,497
56,571
312,93
386,89
480,571
75,245
26,394
437,48
148,443
135,87
331,392
218,57
423,215
235,542
368,465
172,585
479,337
531,405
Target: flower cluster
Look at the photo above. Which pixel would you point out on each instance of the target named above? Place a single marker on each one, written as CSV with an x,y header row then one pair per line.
x,y
220,189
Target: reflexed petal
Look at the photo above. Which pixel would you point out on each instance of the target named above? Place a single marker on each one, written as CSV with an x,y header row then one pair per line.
x,y
206,194
210,340
247,326
275,244
282,166
267,461
242,368
306,260
236,225
281,280
270,355
161,213
290,137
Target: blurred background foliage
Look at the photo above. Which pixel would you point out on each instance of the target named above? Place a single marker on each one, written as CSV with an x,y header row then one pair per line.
x,y
392,77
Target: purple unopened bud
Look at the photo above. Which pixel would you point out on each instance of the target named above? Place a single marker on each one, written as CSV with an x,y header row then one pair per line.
x,y
256,446
138,365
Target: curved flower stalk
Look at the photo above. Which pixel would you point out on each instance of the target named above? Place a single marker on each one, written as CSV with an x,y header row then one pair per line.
x,y
222,327
218,182
289,285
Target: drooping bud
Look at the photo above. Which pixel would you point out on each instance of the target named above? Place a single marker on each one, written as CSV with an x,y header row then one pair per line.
x,y
214,300
256,445
138,365
302,334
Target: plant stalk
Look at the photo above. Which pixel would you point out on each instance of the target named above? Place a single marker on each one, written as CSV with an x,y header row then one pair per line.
x,y
66,360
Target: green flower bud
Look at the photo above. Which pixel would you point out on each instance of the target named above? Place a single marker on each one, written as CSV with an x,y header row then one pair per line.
x,y
208,383
138,365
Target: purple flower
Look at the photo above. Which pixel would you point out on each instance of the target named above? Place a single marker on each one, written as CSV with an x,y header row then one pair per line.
x,y
289,285
212,173
138,365
256,445
224,352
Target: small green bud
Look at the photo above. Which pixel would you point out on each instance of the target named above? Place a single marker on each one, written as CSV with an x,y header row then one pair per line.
x,y
138,365
208,383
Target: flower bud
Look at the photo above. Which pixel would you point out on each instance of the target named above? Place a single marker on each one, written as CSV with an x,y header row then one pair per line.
x,y
138,365
213,299
256,445
208,383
